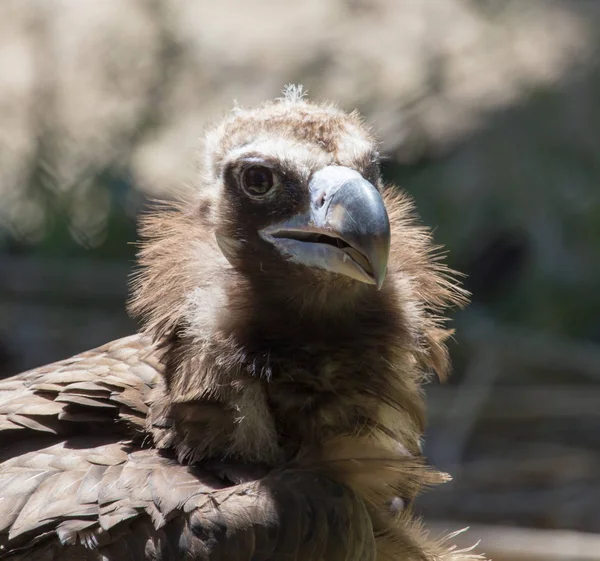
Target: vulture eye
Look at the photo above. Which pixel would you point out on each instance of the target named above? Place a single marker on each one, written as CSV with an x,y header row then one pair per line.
x,y
257,180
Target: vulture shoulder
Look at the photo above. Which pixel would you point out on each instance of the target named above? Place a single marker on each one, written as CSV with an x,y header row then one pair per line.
x,y
75,486
103,390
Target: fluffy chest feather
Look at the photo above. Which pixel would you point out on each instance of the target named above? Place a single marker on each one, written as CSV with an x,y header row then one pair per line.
x,y
273,404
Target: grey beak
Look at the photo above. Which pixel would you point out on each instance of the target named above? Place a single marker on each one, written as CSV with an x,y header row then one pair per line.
x,y
346,230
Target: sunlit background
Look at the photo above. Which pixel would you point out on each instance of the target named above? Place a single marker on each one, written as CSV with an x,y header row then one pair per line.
x,y
489,113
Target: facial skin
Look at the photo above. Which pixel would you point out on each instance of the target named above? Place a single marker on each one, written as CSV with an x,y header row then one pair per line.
x,y
345,229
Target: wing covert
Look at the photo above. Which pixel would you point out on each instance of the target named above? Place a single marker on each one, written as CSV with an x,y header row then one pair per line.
x,y
82,394
104,501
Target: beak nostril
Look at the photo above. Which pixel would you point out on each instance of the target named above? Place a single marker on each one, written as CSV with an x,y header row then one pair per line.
x,y
321,199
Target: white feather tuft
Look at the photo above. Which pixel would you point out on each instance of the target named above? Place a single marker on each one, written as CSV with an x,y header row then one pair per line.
x,y
293,93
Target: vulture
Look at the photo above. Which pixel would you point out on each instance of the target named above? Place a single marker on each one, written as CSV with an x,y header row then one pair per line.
x,y
270,408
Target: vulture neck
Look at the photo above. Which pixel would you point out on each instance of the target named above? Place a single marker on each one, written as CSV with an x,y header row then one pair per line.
x,y
268,374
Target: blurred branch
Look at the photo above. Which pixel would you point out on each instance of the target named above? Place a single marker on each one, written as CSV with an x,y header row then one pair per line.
x,y
515,345
523,544
24,278
496,349
512,402
464,407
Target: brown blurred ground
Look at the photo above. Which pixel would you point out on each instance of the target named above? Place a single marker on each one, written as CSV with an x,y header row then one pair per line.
x,y
489,113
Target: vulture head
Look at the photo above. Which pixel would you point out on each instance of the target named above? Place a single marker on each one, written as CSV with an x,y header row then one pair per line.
x,y
299,211
292,293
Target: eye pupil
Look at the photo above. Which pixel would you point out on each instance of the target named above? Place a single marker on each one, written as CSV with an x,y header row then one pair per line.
x,y
258,180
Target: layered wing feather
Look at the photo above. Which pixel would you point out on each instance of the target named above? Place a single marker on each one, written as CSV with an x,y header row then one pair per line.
x,y
76,482
104,390
85,499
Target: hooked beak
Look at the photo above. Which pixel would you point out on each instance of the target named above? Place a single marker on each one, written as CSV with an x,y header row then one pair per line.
x,y
345,231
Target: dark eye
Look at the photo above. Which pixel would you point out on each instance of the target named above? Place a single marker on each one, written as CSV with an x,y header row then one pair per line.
x,y
257,180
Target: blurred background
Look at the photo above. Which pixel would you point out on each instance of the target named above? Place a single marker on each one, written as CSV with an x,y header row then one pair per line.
x,y
489,113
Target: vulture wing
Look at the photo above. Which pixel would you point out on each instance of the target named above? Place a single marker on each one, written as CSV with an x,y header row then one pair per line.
x,y
77,483
101,391
106,502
